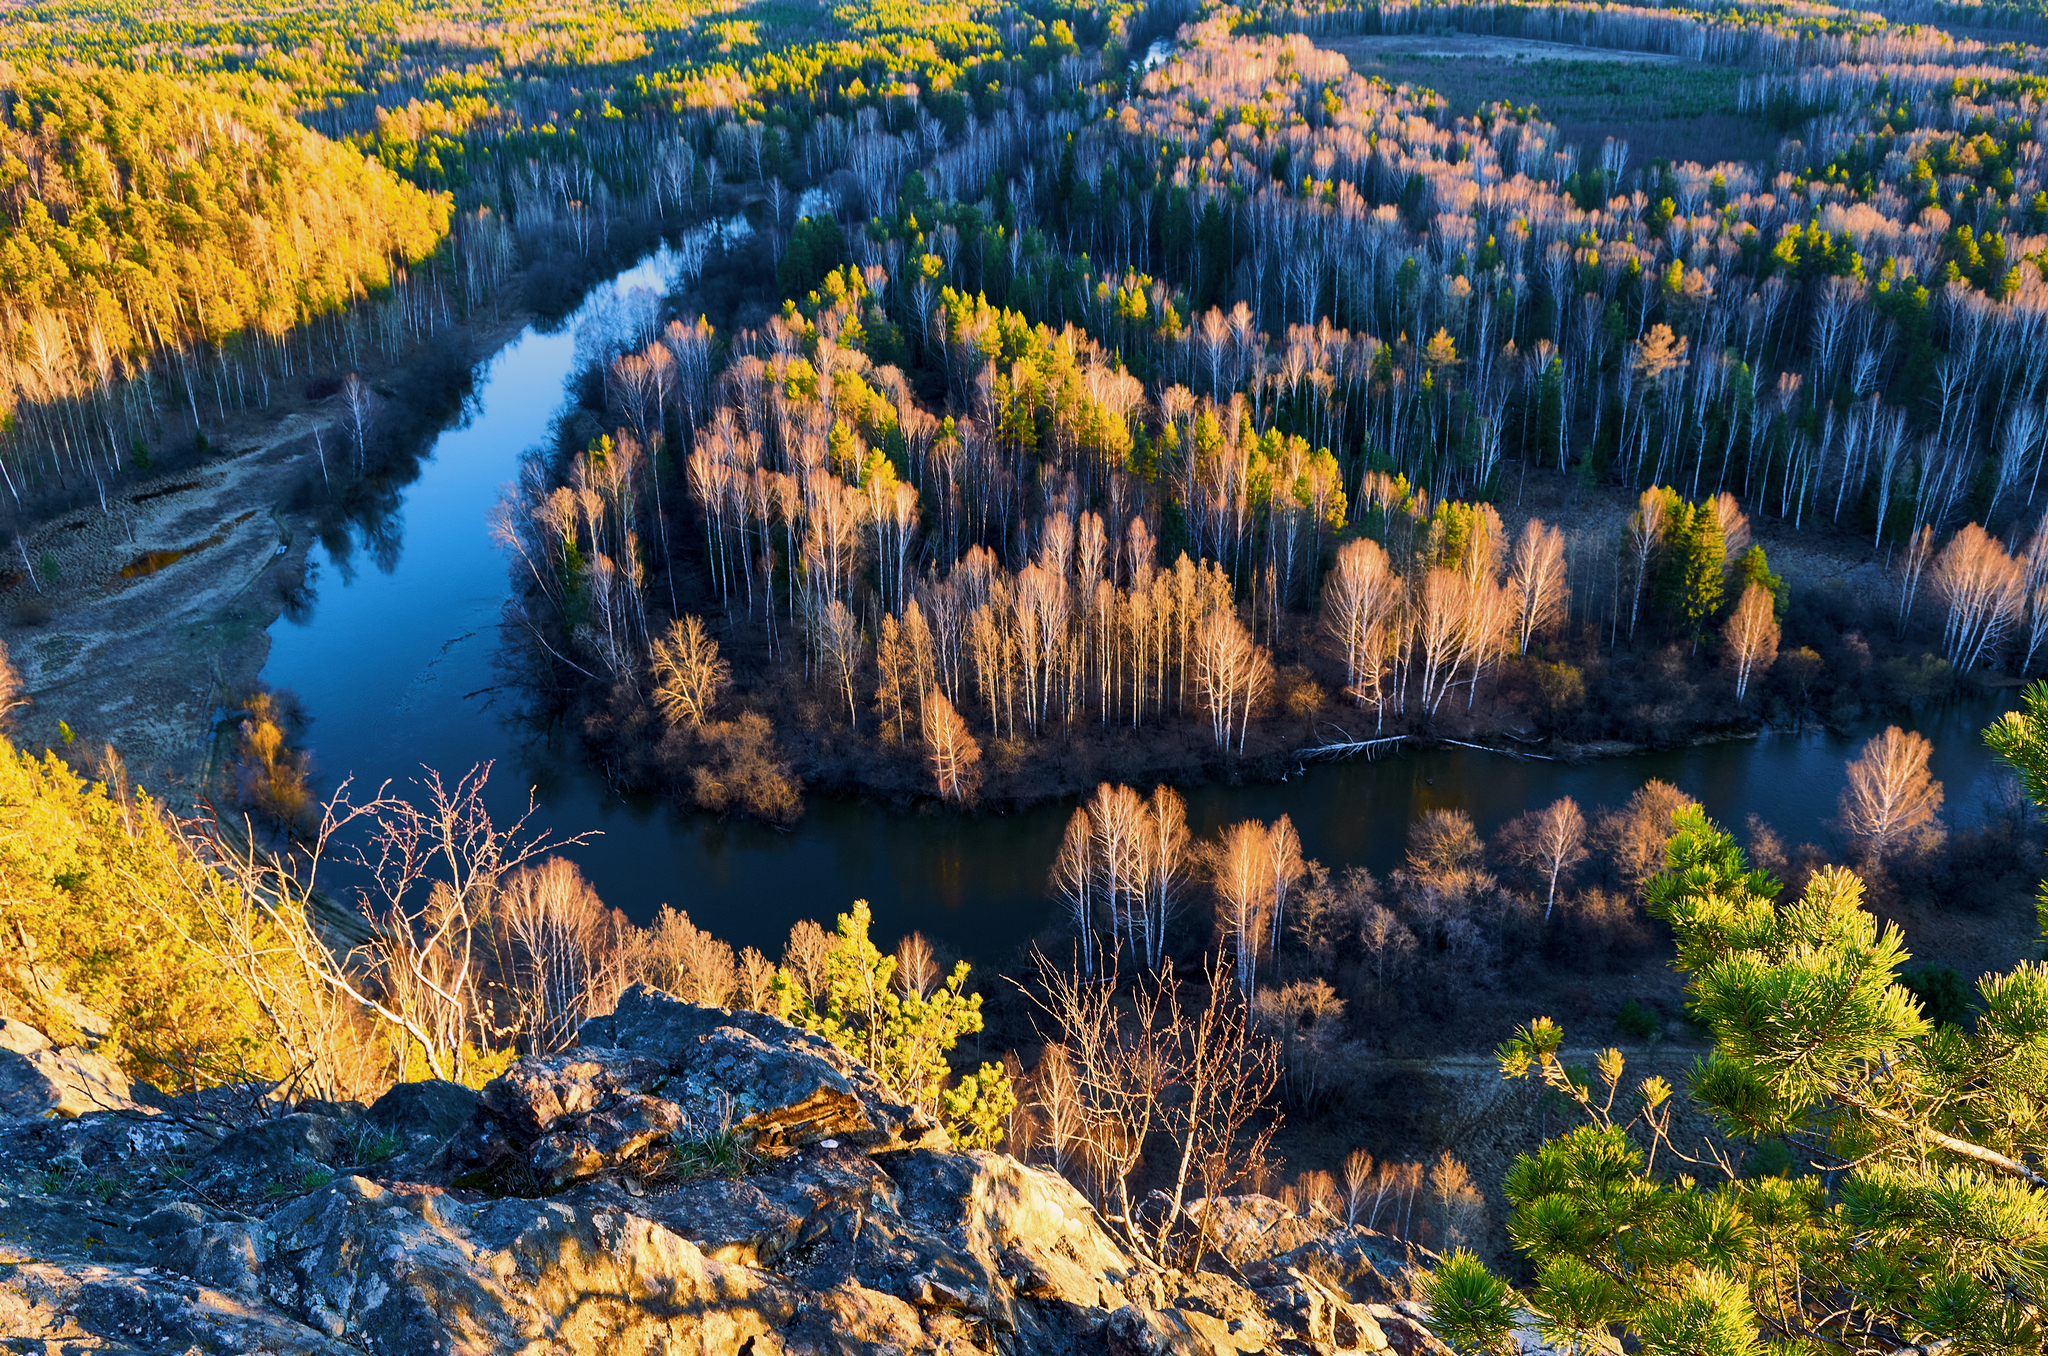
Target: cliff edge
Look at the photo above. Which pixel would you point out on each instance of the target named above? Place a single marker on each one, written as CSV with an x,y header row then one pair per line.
x,y
686,1180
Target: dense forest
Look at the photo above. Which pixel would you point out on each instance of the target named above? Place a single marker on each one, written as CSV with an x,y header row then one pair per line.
x,y
1184,412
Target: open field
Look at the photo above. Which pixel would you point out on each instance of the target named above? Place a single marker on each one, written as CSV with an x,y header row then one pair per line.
x,y
1488,47
1665,108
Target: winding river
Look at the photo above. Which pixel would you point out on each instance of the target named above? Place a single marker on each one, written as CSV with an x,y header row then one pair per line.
x,y
394,663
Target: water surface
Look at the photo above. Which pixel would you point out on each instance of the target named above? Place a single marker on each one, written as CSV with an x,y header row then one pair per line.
x,y
394,662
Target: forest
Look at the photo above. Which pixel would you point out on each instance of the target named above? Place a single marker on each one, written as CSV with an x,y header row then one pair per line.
x,y
1082,403
1188,423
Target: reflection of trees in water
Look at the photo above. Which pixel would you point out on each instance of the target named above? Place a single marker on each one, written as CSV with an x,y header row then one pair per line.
x,y
365,519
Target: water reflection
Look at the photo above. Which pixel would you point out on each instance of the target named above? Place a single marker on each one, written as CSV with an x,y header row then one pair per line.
x,y
396,666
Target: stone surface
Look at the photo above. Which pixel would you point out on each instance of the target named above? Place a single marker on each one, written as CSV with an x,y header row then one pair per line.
x,y
79,1307
784,1086
531,1096
545,1218
431,1110
405,1270
585,1145
45,1081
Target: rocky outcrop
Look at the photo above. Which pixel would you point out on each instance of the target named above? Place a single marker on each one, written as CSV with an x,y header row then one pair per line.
x,y
685,1180
39,1079
783,1087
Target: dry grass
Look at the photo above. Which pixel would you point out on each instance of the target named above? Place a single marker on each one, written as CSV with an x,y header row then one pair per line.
x,y
1665,108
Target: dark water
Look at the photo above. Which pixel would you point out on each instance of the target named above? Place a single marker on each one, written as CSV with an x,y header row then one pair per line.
x,y
394,664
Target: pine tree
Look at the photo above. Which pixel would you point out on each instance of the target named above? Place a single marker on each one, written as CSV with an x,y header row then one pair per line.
x,y
1922,1214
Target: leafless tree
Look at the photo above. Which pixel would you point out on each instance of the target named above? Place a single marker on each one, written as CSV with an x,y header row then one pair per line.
x,y
1232,675
917,970
677,956
1361,597
1443,844
1055,1093
1912,568
1645,535
1537,582
1190,1079
433,864
251,914
950,751
1283,850
1073,883
1386,940
1752,637
1551,841
803,956
1891,796
1983,589
1304,1020
568,959
358,412
1241,871
1635,836
838,641
1357,1178
687,671
1164,846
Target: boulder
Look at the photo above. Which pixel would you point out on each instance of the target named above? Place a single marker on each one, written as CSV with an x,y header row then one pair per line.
x,y
1135,1330
20,1038
40,1080
410,1132
755,1220
79,1306
406,1270
585,1145
1032,1226
227,1257
532,1095
784,1086
1406,1330
273,1146
434,1110
41,1226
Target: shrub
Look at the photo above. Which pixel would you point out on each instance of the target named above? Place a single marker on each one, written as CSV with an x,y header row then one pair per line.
x,y
97,901
267,778
1637,1019
901,1034
740,769
1943,993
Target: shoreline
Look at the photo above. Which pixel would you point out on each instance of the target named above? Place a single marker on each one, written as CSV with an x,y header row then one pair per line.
x,y
158,621
1292,762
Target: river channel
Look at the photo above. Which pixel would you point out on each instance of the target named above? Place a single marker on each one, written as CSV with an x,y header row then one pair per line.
x,y
394,663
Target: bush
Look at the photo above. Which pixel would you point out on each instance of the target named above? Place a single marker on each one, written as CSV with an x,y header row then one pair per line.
x,y
1944,995
899,1029
267,777
1639,1020
98,901
736,767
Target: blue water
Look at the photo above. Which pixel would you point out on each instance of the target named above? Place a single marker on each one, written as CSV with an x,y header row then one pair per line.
x,y
394,663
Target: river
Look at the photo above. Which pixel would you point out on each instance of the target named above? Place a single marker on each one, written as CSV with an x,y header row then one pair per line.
x,y
394,662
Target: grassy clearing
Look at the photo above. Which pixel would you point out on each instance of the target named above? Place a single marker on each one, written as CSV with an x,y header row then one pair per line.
x,y
1664,108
